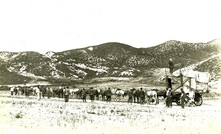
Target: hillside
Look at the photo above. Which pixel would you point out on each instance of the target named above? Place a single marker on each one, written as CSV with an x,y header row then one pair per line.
x,y
108,59
8,77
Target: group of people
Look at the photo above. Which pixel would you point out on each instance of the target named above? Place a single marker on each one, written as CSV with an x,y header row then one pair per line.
x,y
134,95
83,93
184,98
38,91
66,93
137,96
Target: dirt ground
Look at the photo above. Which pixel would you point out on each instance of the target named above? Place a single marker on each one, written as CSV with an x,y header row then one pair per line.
x,y
29,115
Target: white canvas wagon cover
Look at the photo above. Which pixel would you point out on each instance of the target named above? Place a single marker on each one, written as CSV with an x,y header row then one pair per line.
x,y
202,77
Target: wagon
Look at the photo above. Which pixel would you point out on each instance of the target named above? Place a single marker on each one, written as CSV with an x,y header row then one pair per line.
x,y
198,99
192,81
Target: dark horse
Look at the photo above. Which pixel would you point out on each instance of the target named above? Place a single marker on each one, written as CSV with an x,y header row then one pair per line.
x,y
136,95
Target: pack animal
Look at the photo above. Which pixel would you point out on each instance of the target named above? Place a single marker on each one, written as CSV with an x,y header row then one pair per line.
x,y
152,96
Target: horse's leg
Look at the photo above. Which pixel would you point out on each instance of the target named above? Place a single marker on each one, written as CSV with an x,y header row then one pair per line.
x,y
102,97
71,94
148,100
119,99
157,100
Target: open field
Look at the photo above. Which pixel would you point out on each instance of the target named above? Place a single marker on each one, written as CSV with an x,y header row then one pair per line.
x,y
20,114
28,115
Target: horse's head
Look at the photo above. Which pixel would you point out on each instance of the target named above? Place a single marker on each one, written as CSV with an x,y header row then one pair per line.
x,y
113,91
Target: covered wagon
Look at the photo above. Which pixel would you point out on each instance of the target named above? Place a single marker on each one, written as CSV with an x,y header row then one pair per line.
x,y
194,84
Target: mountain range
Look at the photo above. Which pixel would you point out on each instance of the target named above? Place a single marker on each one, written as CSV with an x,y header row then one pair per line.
x,y
109,59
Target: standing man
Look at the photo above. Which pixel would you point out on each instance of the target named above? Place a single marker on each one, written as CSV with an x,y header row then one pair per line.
x,y
38,92
49,92
84,95
12,90
102,92
16,90
43,91
136,95
27,91
66,94
142,96
92,94
191,96
108,94
182,98
169,98
171,65
130,96
61,94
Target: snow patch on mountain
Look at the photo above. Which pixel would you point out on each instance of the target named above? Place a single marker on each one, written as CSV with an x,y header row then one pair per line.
x,y
22,72
127,73
82,51
80,72
49,54
90,48
54,72
99,70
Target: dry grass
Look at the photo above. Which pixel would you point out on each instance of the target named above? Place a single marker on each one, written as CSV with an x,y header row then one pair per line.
x,y
28,115
22,115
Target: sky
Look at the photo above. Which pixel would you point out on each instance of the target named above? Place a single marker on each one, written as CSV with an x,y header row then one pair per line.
x,y
59,25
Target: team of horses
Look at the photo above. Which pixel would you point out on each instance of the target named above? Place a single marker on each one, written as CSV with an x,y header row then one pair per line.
x,y
151,96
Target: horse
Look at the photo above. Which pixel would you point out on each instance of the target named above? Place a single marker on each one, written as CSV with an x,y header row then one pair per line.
x,y
102,92
108,93
97,93
126,93
119,93
75,91
56,91
152,96
136,95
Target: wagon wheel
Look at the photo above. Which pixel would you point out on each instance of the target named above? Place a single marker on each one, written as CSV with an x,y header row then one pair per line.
x,y
178,102
176,99
198,100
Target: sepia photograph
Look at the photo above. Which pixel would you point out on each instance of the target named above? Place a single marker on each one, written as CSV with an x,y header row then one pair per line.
x,y
110,66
